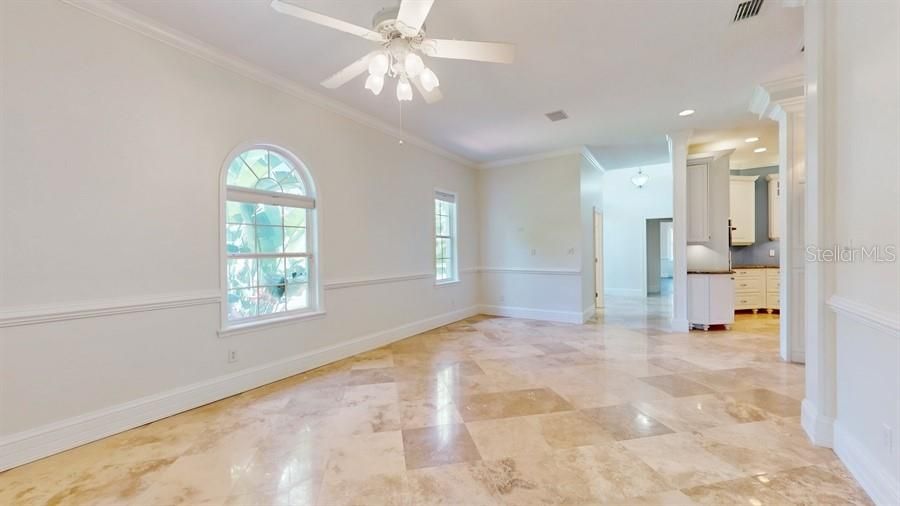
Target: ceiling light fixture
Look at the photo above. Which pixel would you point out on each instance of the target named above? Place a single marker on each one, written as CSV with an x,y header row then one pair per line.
x,y
751,139
640,179
686,112
404,90
759,150
399,32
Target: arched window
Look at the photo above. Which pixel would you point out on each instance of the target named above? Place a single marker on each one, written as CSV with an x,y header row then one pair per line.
x,y
269,236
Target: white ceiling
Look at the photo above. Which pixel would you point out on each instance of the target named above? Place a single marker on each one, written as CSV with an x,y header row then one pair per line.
x,y
735,138
622,69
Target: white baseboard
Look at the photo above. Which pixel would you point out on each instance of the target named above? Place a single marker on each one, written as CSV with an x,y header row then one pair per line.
x,y
882,488
818,427
40,442
588,313
680,325
533,314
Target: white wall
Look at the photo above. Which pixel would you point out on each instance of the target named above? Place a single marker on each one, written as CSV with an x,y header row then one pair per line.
x,y
625,211
531,239
112,148
862,59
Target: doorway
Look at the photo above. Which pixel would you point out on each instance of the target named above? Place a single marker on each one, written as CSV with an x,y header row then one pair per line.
x,y
598,258
659,255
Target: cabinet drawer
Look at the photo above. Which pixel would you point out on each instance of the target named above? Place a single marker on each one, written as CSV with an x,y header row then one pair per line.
x,y
773,301
773,284
747,284
748,301
748,274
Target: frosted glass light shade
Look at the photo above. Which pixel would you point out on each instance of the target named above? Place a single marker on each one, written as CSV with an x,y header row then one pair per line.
x,y
640,179
378,65
428,79
375,83
404,90
413,64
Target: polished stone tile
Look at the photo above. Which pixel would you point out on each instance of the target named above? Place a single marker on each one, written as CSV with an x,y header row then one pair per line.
x,y
815,485
553,348
626,422
768,400
747,491
676,385
438,445
572,428
611,472
682,460
484,411
511,403
701,412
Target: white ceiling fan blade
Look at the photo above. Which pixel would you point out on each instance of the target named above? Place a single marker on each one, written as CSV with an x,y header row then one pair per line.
x,y
430,97
412,16
494,52
321,19
349,72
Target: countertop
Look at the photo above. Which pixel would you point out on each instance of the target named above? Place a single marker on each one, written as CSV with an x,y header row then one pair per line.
x,y
755,267
710,272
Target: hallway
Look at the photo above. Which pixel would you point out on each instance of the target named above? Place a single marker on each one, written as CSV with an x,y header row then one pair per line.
x,y
485,411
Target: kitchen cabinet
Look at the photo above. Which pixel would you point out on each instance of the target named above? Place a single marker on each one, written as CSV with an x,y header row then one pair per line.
x,y
774,205
698,229
710,300
743,210
757,288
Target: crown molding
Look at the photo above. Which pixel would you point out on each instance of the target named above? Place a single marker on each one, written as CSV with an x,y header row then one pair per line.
x,y
787,94
547,155
589,158
116,13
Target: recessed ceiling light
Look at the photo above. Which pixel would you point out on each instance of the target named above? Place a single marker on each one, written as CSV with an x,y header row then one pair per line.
x,y
751,139
687,112
759,150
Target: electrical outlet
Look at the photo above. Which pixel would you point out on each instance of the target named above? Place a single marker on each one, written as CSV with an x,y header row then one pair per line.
x,y
771,252
533,252
887,434
232,356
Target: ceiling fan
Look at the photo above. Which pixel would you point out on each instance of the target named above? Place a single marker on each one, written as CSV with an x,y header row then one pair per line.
x,y
400,34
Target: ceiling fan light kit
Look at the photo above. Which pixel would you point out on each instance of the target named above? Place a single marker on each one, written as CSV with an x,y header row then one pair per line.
x,y
400,31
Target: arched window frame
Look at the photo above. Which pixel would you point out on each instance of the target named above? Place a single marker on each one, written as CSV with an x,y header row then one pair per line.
x,y
309,201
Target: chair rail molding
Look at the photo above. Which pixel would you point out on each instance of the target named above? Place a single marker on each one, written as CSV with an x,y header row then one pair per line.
x,y
40,314
865,314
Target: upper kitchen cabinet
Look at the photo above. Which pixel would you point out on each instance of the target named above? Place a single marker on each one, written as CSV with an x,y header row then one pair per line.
x,y
743,210
698,229
774,205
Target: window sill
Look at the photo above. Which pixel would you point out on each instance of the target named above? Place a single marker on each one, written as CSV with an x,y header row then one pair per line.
x,y
244,328
446,282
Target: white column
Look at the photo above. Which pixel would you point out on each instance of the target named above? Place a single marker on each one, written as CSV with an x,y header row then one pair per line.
x,y
819,406
678,148
784,102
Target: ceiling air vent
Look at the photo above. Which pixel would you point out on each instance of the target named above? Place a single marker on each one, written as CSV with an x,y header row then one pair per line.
x,y
557,115
746,10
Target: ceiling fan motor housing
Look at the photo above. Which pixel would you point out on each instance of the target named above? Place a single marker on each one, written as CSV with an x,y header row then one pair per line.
x,y
385,22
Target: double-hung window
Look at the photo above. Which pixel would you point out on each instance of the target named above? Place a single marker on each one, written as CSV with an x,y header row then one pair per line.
x,y
269,237
445,264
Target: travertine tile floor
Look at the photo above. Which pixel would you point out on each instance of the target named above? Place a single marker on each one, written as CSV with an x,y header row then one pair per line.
x,y
485,411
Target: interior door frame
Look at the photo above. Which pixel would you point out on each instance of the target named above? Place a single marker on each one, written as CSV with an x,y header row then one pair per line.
x,y
598,258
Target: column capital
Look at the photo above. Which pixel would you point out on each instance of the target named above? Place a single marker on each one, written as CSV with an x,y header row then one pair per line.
x,y
772,98
678,138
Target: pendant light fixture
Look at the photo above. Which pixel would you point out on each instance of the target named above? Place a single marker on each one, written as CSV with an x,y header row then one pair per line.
x,y
640,179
